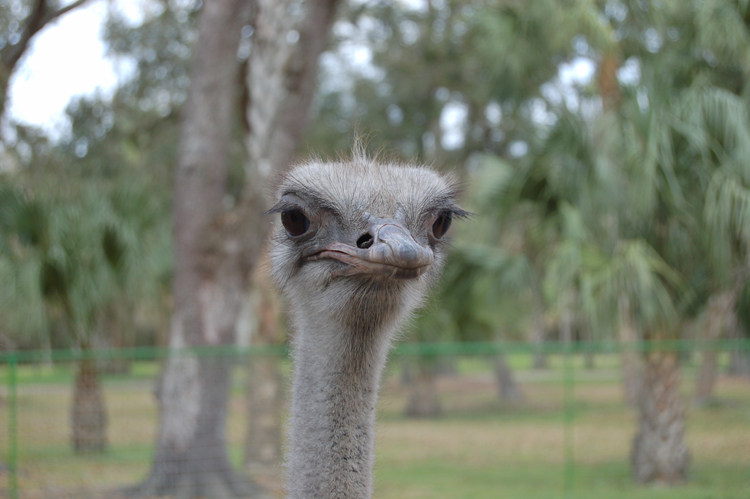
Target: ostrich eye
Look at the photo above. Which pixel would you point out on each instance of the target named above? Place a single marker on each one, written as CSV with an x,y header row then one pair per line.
x,y
441,225
295,222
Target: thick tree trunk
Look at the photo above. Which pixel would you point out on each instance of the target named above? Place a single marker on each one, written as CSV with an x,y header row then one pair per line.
x,y
722,316
264,383
280,83
281,79
264,397
191,456
211,273
89,415
423,401
632,376
216,250
508,389
739,358
739,364
632,364
660,454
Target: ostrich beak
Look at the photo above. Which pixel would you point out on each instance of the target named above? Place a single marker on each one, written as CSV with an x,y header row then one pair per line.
x,y
390,250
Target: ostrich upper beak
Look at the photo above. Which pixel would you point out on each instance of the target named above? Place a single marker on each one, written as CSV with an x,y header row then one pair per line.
x,y
391,251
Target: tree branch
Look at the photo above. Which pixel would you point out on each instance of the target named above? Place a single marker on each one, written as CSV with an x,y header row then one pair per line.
x,y
64,10
37,20
33,23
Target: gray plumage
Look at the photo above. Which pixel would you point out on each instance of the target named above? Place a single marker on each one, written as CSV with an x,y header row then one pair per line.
x,y
358,246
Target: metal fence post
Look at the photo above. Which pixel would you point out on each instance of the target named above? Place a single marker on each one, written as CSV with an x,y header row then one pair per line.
x,y
12,429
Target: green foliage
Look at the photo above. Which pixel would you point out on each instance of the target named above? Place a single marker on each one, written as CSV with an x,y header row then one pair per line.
x,y
483,58
67,258
646,203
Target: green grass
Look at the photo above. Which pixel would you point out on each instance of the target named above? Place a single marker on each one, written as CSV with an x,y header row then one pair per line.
x,y
478,448
437,479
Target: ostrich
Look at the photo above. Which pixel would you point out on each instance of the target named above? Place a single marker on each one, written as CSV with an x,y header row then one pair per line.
x,y
358,246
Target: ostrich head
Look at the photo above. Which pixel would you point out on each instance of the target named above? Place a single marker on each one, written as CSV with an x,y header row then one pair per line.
x,y
358,246
360,242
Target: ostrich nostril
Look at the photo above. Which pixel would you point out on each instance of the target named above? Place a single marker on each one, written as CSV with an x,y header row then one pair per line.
x,y
365,241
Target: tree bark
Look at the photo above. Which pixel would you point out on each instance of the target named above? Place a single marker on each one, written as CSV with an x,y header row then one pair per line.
x,y
211,271
539,328
722,316
423,399
609,87
660,454
280,82
89,415
216,250
264,383
263,442
739,358
632,368
281,78
508,389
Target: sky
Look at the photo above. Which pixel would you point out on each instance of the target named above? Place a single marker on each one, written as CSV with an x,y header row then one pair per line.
x,y
65,59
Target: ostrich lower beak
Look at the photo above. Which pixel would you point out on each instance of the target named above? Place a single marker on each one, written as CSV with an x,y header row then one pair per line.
x,y
393,252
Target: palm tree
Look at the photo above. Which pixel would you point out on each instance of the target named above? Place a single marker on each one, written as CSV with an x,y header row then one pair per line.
x,y
717,123
71,261
599,254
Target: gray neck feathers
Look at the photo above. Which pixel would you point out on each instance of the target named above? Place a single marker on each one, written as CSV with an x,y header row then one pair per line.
x,y
336,380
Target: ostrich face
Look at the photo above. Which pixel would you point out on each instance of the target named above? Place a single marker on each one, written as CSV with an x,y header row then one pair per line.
x,y
360,242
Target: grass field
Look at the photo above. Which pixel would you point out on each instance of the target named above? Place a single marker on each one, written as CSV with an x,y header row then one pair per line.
x,y
478,448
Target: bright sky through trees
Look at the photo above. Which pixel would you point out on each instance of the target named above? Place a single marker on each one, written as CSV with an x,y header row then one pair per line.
x,y
65,59
68,58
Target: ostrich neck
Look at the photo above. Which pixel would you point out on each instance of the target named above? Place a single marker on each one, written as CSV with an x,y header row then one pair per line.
x,y
335,389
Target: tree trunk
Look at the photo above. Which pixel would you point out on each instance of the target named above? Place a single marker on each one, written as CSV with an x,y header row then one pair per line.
x,y
508,389
191,456
89,415
722,316
739,363
281,79
280,83
632,368
632,376
609,87
423,398
264,401
739,359
216,250
447,365
588,353
660,454
588,360
211,272
539,328
264,383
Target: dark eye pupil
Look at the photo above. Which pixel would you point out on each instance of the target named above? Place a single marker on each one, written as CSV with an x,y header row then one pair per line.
x,y
441,225
295,222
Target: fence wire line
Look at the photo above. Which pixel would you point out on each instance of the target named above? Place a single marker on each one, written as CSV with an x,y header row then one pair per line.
x,y
401,350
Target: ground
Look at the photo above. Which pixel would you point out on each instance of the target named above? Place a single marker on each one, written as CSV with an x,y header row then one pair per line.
x,y
479,448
